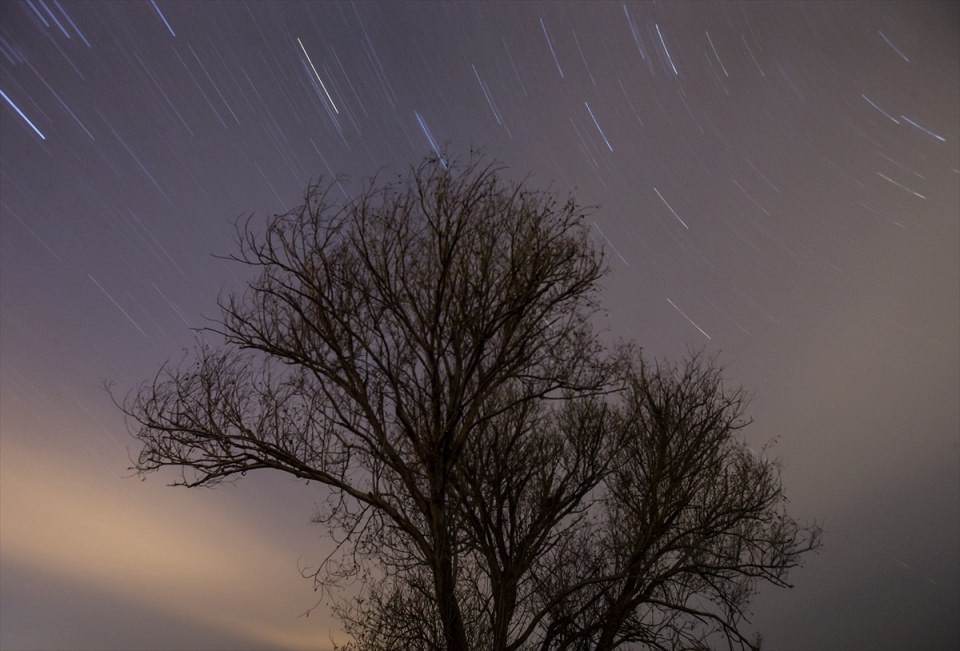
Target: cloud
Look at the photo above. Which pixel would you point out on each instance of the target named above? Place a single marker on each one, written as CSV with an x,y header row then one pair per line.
x,y
186,555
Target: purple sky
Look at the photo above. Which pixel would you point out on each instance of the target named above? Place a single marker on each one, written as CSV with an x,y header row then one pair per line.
x,y
777,182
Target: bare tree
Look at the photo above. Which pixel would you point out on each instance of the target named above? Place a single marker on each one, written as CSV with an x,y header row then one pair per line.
x,y
691,519
497,478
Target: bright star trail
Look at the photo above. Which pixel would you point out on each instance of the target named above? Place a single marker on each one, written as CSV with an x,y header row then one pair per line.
x,y
25,118
776,183
314,68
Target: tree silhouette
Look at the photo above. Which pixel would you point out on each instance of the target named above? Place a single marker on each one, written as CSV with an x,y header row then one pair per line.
x,y
497,477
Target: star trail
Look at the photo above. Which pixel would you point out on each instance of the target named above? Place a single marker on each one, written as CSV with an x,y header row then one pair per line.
x,y
777,183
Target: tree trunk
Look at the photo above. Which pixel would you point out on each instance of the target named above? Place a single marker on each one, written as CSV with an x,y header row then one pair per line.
x,y
444,580
505,602
450,615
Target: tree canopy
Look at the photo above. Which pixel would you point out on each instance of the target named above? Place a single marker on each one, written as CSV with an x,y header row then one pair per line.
x,y
498,477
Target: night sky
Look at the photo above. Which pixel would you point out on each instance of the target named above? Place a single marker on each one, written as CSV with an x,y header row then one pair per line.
x,y
777,183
